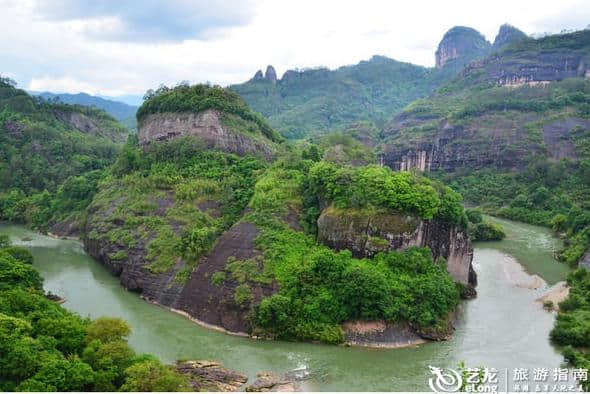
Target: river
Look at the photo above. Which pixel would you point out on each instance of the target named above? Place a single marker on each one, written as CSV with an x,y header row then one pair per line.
x,y
503,327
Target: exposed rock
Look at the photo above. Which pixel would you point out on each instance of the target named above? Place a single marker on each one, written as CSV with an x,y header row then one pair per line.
x,y
555,294
208,127
366,234
211,376
55,298
449,147
270,381
66,228
585,261
379,334
214,304
270,75
258,76
14,129
507,35
460,42
557,137
87,125
133,271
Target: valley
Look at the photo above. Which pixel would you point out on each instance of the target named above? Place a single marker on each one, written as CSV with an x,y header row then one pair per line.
x,y
315,225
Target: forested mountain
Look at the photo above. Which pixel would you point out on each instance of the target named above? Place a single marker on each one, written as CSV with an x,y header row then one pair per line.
x,y
315,101
226,228
50,150
124,113
512,133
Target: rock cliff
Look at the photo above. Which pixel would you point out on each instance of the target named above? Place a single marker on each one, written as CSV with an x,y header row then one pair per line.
x,y
208,126
270,75
366,234
460,43
508,35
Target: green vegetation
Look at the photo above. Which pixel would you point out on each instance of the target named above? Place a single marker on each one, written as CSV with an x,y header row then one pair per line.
x,y
197,98
572,327
380,187
321,288
44,347
51,157
552,194
480,230
314,101
174,197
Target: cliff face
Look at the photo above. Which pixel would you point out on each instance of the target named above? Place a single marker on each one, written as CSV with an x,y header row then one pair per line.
x,y
508,35
366,234
460,42
207,126
452,146
520,60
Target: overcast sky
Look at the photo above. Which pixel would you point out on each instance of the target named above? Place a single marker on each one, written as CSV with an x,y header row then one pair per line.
x,y
121,47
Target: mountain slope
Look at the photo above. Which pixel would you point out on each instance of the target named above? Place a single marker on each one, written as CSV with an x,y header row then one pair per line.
x,y
124,113
315,101
232,236
46,150
512,132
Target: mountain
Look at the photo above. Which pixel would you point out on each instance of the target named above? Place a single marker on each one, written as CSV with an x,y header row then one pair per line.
x,y
123,112
507,35
460,45
211,212
512,133
51,156
316,101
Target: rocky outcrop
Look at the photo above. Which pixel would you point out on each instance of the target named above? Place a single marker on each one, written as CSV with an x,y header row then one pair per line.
x,y
366,234
380,334
88,125
585,261
534,62
258,76
211,376
460,42
486,140
214,304
208,127
129,262
507,35
272,382
270,75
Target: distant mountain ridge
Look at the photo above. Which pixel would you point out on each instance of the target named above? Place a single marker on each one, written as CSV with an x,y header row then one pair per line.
x,y
314,101
123,112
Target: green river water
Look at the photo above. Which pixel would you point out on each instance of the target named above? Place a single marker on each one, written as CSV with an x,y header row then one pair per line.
x,y
502,328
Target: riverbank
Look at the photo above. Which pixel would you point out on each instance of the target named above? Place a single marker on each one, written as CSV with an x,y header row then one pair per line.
x,y
517,321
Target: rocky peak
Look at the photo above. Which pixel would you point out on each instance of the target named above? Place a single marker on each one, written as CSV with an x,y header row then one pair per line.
x,y
460,42
258,76
507,35
270,75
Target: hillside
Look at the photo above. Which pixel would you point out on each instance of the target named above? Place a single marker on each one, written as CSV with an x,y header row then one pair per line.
x,y
315,101
124,113
228,235
510,132
49,151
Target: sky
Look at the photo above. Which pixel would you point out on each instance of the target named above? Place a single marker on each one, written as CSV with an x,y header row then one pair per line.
x,y
122,48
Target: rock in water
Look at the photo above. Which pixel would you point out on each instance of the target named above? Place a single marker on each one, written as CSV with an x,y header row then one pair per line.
x,y
270,381
211,376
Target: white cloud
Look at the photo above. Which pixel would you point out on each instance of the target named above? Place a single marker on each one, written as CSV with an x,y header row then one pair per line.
x,y
56,52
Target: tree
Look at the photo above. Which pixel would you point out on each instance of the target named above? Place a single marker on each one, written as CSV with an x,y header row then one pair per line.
x,y
153,376
108,329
